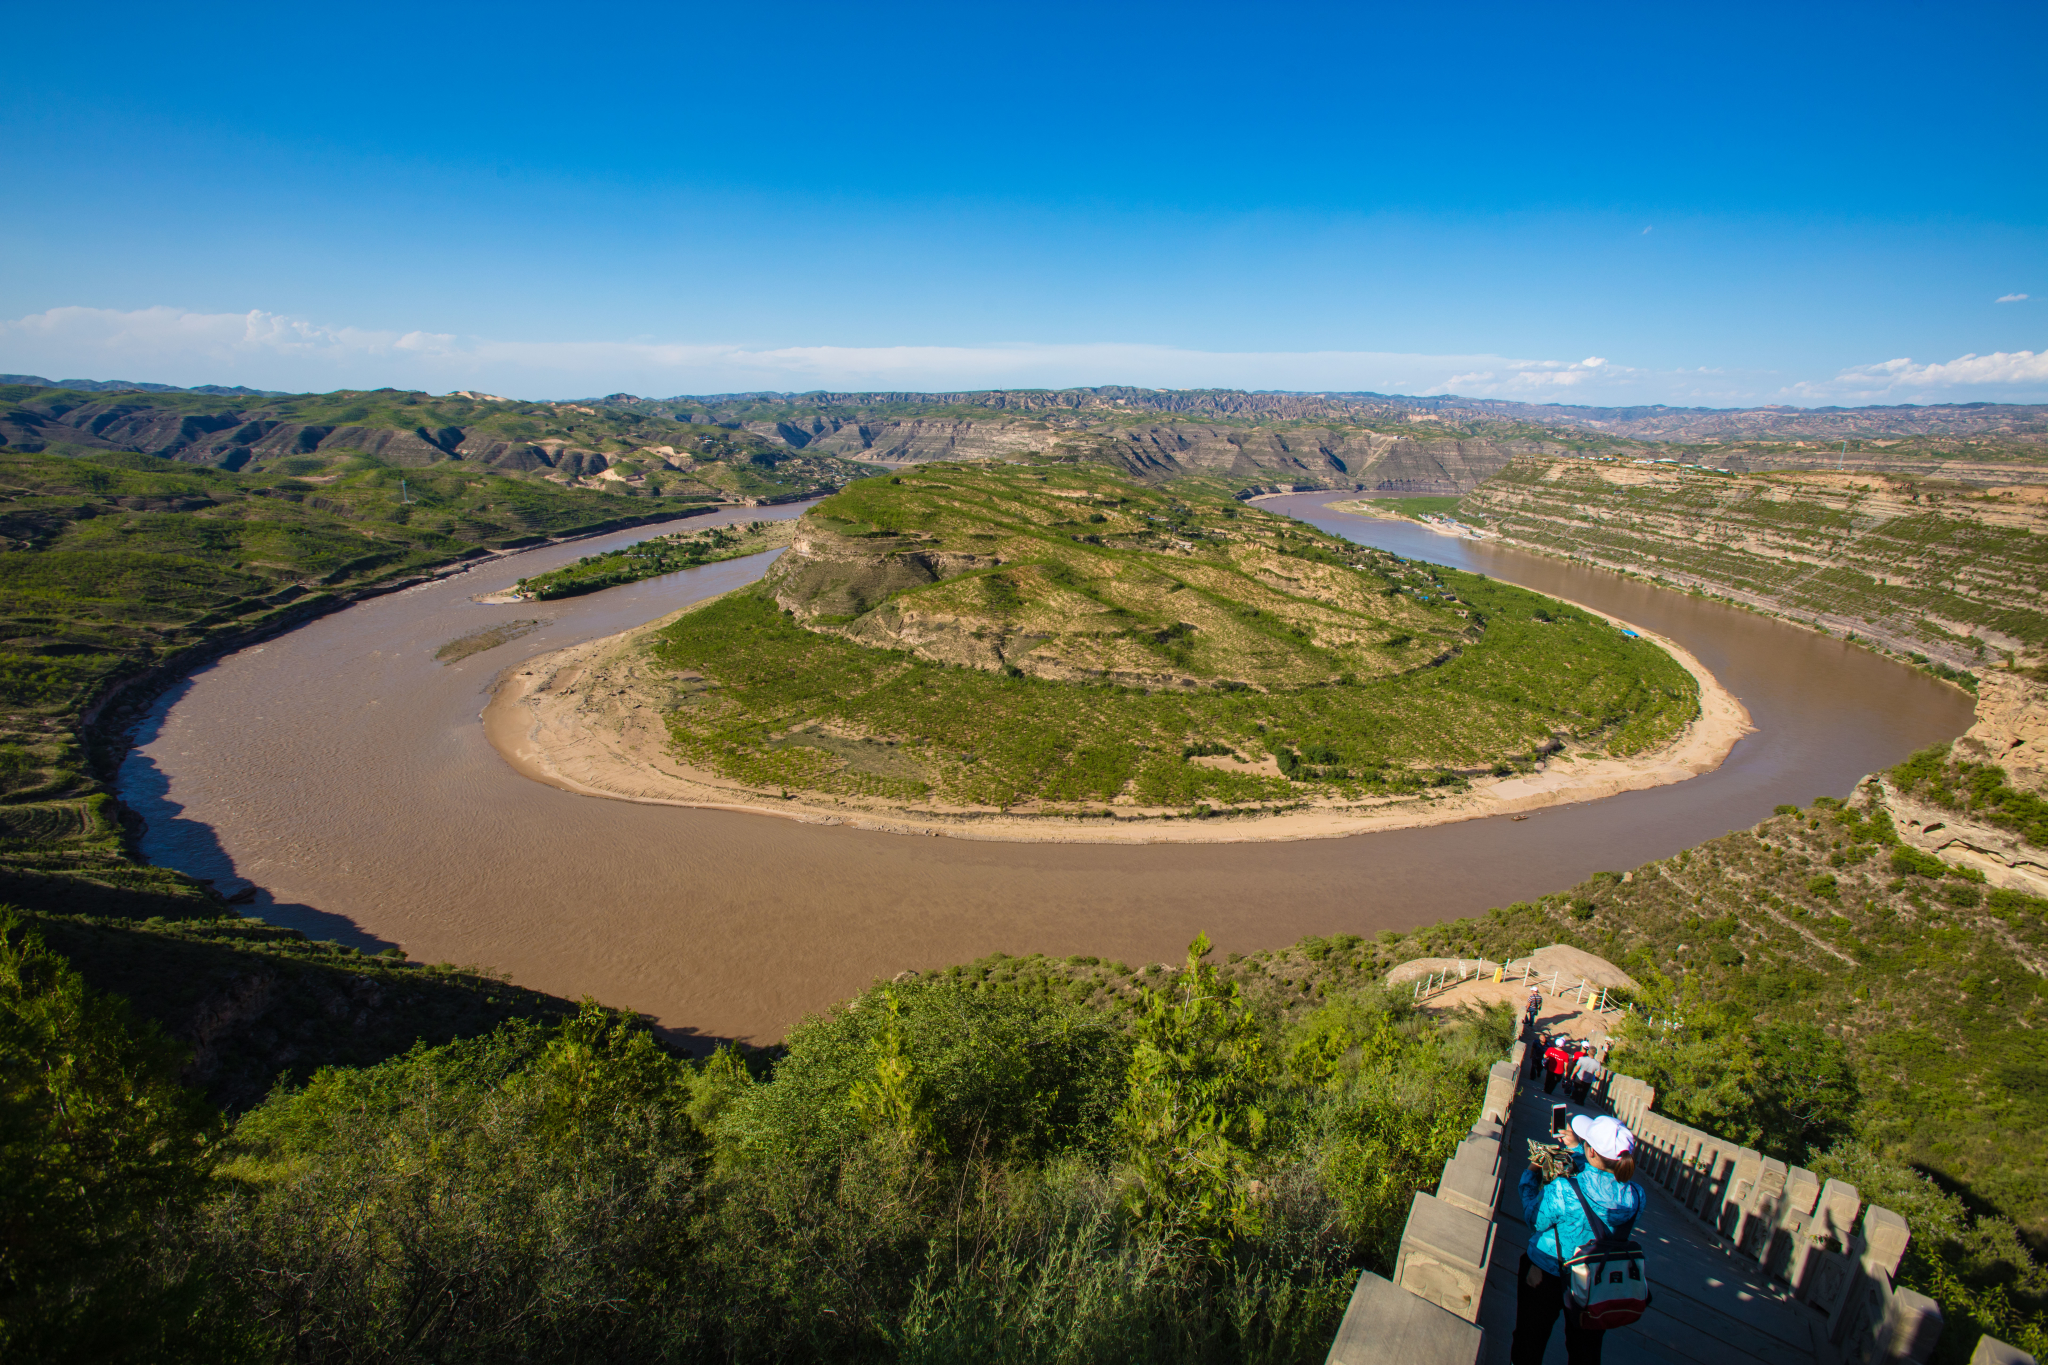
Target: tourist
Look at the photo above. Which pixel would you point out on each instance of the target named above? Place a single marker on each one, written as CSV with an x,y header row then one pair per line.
x,y
1537,1044
1584,1072
1557,1059
1604,1166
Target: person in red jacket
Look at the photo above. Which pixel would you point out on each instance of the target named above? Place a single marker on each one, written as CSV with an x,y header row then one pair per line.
x,y
1557,1060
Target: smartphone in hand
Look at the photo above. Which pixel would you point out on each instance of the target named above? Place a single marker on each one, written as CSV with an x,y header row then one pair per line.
x,y
1558,1118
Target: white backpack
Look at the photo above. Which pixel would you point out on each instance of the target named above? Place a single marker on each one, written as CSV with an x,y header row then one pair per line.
x,y
1606,1281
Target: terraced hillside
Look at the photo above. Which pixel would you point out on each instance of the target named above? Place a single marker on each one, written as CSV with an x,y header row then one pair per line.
x,y
1016,637
1949,571
574,444
118,568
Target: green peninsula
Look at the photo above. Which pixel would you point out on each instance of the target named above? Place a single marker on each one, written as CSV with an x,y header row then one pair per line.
x,y
1050,638
653,557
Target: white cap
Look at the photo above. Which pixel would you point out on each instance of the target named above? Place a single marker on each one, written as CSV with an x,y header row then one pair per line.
x,y
1605,1135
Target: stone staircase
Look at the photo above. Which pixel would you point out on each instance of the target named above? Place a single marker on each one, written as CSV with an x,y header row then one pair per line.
x,y
1753,1262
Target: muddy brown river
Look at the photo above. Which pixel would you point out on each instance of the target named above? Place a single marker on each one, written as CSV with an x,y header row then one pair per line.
x,y
345,774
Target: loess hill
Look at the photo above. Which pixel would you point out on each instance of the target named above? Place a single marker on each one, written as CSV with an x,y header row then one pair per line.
x,y
1927,568
1020,637
573,445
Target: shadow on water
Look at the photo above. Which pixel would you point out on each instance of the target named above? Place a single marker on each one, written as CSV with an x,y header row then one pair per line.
x,y
194,847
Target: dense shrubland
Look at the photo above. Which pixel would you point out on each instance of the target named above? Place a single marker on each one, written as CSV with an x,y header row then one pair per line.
x,y
937,1170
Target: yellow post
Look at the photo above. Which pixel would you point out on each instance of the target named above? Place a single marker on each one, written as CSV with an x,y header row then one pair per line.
x,y
1500,973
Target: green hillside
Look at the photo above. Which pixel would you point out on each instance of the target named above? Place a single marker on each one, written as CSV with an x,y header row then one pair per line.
x,y
114,565
628,453
1022,637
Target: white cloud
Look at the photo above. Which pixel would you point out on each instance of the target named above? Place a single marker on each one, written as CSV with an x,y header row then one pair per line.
x,y
2012,298
2003,376
275,351
269,350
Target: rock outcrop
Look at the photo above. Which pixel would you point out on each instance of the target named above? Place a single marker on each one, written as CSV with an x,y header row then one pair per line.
x,y
2005,859
826,574
2011,729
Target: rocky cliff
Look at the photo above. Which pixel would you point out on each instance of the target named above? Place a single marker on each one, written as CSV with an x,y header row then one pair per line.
x,y
2011,729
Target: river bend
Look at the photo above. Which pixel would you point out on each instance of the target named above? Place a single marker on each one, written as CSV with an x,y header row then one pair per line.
x,y
344,774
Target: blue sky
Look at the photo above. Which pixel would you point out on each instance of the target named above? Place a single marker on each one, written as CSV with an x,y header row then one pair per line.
x,y
1711,205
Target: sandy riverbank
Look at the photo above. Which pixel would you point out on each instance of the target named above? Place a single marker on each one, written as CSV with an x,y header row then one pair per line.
x,y
588,719
1360,507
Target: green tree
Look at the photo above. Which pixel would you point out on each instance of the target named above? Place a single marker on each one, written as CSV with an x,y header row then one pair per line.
x,y
1785,1088
102,1156
1192,1115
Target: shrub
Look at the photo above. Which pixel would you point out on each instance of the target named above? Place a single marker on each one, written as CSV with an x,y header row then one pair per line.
x,y
1782,1088
979,1071
1192,1115
513,1196
1911,862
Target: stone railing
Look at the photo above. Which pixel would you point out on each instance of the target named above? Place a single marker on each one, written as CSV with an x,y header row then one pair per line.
x,y
1839,1258
1804,1231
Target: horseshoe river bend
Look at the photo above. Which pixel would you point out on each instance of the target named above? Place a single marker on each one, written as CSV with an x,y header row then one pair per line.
x,y
345,776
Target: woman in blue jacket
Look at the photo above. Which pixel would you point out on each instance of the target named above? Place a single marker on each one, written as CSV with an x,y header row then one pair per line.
x,y
1604,1164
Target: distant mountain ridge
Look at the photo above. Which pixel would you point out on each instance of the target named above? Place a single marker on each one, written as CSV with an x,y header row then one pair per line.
x,y
1155,432
305,433
1654,421
135,386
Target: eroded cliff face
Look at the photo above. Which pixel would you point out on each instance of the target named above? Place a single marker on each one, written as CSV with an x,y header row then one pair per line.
x,y
839,585
2011,729
826,574
1267,457
2005,859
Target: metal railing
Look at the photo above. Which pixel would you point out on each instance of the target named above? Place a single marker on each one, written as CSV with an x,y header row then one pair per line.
x,y
1587,994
